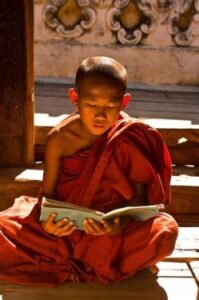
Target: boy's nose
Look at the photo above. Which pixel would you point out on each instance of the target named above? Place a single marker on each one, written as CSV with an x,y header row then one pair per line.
x,y
101,112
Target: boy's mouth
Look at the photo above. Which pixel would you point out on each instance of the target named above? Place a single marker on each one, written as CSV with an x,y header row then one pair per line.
x,y
98,125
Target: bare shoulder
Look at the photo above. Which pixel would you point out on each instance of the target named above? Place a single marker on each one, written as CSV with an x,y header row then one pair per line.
x,y
64,137
66,128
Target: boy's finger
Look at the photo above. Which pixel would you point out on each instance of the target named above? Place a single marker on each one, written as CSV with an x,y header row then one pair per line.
x,y
97,227
86,225
51,219
89,227
107,226
64,226
116,220
68,232
64,229
62,222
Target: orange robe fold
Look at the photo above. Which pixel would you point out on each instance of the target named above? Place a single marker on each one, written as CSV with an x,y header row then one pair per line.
x,y
102,177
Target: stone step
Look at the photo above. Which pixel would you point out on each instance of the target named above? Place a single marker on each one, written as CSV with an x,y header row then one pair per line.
x,y
181,137
15,182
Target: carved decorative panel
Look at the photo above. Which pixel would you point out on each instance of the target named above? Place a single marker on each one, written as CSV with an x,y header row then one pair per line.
x,y
13,83
132,22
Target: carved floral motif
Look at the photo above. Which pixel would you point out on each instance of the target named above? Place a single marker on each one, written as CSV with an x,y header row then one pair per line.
x,y
184,38
154,14
124,36
88,18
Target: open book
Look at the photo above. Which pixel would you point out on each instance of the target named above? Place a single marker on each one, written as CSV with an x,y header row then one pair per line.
x,y
78,213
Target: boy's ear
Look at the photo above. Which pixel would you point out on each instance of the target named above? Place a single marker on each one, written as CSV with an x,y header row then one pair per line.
x,y
73,96
125,100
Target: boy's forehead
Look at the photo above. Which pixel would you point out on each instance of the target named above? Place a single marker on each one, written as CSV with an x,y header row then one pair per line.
x,y
99,89
91,85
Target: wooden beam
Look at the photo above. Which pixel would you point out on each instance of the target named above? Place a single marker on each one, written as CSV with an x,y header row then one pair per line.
x,y
16,83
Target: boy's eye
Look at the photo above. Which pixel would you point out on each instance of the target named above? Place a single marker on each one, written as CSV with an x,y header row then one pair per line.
x,y
91,104
111,106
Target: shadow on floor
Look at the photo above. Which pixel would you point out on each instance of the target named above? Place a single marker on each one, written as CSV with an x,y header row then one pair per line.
x,y
143,285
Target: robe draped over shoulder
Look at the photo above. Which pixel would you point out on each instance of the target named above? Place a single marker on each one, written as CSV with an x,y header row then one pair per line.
x,y
102,177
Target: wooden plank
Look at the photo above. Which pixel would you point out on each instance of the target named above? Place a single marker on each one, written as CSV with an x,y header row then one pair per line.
x,y
179,288
188,238
60,90
182,256
169,107
184,154
185,170
187,245
170,124
58,95
193,117
186,219
174,136
173,269
194,265
184,199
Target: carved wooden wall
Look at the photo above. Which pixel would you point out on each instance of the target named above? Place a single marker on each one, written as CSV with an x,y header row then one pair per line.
x,y
16,82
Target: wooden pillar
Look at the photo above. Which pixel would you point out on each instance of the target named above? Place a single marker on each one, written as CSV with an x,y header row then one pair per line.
x,y
16,83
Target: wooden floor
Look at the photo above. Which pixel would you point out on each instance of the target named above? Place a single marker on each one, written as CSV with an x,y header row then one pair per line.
x,y
179,103
177,279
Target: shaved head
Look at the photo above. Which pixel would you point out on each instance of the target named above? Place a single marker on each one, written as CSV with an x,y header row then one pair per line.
x,y
102,70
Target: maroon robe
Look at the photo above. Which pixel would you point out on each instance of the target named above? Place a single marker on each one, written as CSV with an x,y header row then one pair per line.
x,y
102,177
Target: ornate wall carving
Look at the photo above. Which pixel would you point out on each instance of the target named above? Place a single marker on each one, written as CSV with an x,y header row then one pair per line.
x,y
131,22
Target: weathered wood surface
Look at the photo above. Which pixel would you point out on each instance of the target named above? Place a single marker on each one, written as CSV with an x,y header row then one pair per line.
x,y
184,195
185,170
187,245
187,219
195,268
16,83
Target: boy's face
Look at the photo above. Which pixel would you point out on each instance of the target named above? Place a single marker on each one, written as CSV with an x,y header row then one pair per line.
x,y
99,106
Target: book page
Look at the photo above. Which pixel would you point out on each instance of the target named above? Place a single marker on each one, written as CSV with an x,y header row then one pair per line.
x,y
137,212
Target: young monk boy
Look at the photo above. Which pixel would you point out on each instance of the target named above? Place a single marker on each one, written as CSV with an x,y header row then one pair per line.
x,y
99,158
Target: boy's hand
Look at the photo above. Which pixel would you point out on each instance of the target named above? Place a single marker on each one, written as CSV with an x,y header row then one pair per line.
x,y
61,228
112,227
